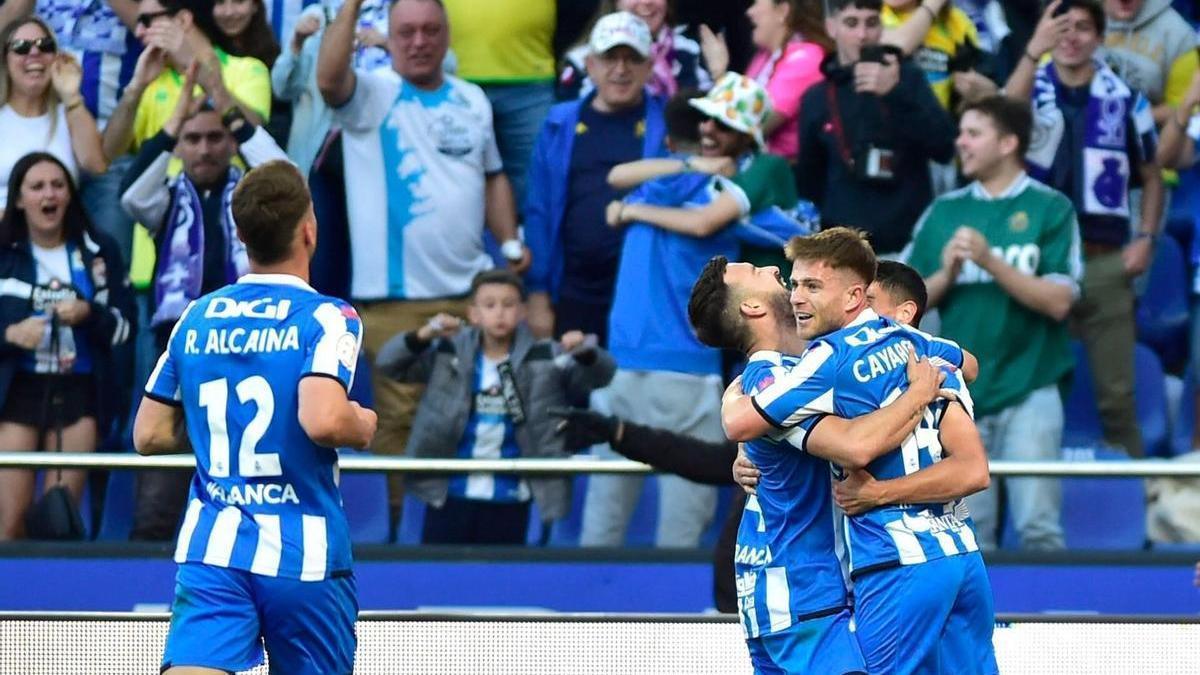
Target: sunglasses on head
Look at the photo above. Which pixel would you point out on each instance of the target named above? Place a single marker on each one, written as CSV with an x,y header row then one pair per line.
x,y
22,47
149,17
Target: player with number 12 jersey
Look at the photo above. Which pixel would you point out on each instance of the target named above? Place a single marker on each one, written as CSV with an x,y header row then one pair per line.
x,y
260,369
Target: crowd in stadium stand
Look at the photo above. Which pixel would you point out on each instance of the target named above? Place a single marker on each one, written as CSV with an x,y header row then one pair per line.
x,y
517,195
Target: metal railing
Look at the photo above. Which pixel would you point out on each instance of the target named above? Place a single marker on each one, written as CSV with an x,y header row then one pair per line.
x,y
1146,468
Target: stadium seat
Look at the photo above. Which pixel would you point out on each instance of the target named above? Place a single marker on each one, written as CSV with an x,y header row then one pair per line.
x,y
1081,427
365,499
116,520
412,520
1103,513
1185,417
1162,310
1150,396
565,531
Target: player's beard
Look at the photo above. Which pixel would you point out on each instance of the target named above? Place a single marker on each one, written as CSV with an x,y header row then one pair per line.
x,y
781,308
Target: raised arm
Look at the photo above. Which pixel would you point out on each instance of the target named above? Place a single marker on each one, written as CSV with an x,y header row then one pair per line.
x,y
702,222
910,35
962,471
335,76
66,75
632,174
1046,35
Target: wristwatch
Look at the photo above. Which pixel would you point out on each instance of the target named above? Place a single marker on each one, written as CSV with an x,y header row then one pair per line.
x,y
233,119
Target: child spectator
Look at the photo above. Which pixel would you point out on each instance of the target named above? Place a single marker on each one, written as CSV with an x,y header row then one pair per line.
x,y
490,386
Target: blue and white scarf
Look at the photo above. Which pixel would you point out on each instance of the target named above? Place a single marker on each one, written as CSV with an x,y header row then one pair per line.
x,y
181,270
1104,166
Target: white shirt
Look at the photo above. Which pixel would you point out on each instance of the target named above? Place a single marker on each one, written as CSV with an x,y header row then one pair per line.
x,y
416,165
23,135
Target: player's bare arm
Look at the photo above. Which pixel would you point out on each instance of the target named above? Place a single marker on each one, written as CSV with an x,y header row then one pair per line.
x,y
330,418
154,428
962,471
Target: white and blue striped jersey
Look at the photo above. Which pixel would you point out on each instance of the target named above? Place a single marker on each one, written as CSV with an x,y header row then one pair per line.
x,y
264,497
490,434
855,371
786,565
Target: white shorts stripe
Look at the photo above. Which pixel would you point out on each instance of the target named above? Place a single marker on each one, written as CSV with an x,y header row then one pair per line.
x,y
316,547
270,545
947,543
189,528
223,537
906,543
779,598
967,536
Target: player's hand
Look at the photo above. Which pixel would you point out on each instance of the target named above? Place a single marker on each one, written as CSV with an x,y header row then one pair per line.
x,y
952,260
614,213
368,421
584,428
442,325
27,333
745,473
73,312
857,493
924,378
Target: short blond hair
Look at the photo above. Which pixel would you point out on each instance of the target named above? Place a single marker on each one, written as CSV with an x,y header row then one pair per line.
x,y
837,247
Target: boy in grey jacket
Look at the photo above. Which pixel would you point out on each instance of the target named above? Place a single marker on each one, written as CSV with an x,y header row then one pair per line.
x,y
490,385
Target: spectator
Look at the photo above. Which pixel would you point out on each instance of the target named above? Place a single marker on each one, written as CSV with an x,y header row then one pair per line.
x,y
68,305
676,58
282,17
1094,142
419,148
100,37
1152,49
174,36
506,47
41,108
947,51
665,376
791,41
575,254
199,249
868,133
243,30
490,388
1001,262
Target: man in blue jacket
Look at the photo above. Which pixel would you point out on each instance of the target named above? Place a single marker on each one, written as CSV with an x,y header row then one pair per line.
x,y
575,254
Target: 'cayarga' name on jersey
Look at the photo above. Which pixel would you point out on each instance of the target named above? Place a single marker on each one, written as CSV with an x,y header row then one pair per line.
x,y
253,493
879,362
242,341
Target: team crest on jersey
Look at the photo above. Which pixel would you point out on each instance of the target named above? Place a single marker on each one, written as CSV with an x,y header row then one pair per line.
x,y
1018,222
347,350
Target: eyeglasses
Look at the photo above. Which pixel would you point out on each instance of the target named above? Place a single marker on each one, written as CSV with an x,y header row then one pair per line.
x,y
22,47
149,17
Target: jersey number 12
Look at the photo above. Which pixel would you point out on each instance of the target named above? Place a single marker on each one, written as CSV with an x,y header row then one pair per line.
x,y
214,398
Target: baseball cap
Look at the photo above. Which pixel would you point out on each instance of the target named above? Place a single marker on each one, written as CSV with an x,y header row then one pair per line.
x,y
737,102
620,28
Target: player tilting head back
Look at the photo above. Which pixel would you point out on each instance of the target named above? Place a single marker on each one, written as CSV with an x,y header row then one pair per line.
x,y
922,597
259,371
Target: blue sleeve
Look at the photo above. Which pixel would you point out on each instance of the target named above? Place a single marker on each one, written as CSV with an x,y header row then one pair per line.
x,y
163,385
537,215
774,226
333,344
804,392
946,350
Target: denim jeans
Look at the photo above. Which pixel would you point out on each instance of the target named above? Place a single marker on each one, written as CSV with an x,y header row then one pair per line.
x,y
1028,431
101,196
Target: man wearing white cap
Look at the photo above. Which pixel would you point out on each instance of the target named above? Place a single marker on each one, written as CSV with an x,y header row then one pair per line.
x,y
575,254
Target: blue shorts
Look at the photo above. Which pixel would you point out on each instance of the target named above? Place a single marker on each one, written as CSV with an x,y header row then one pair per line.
x,y
935,617
822,646
221,618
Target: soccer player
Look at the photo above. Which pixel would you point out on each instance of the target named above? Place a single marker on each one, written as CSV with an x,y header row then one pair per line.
x,y
259,371
923,601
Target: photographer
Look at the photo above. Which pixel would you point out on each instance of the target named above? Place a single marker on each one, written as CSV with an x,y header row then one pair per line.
x,y
868,132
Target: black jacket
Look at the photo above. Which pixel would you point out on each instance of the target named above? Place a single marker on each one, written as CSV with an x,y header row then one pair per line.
x,y
110,323
907,120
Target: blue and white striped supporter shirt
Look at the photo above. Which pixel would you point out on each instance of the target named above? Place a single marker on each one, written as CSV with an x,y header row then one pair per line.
x,y
855,371
786,565
490,434
107,51
264,497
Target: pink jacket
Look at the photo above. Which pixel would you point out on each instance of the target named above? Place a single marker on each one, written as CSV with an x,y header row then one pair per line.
x,y
786,75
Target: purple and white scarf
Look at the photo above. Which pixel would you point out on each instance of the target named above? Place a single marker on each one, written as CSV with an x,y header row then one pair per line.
x,y
181,260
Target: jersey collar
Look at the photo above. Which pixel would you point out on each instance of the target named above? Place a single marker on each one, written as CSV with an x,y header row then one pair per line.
x,y
276,280
775,358
864,316
1018,185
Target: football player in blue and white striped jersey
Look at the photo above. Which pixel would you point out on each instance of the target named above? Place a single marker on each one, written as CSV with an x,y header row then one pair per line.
x,y
259,371
923,601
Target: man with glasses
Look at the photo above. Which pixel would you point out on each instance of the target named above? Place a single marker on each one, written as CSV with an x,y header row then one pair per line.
x,y
869,131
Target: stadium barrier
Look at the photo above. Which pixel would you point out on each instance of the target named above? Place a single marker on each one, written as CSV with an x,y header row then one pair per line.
x,y
418,643
1145,468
